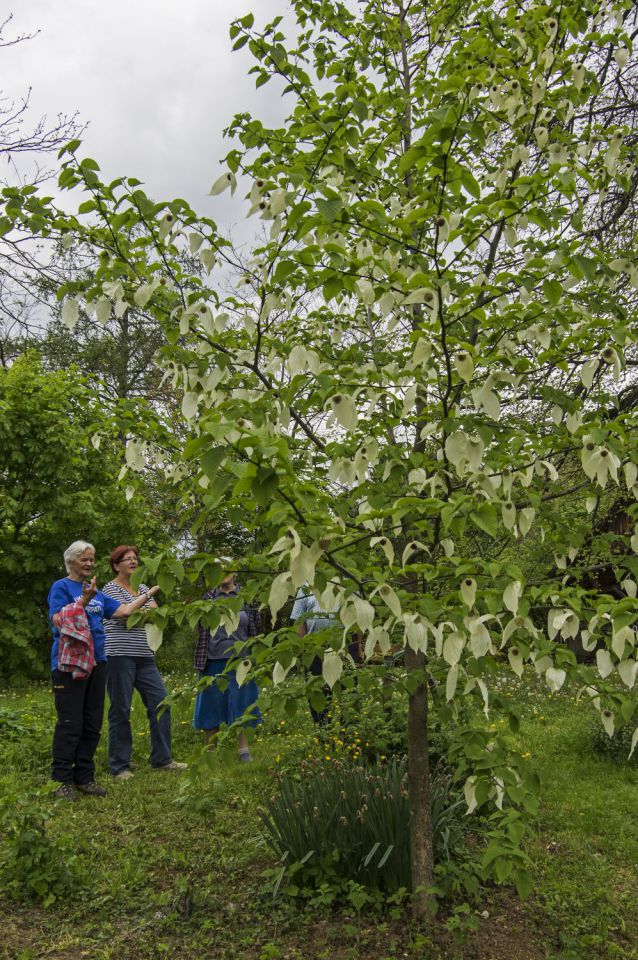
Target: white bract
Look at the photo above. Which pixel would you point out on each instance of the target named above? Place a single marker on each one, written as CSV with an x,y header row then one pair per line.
x,y
70,313
332,667
223,183
468,591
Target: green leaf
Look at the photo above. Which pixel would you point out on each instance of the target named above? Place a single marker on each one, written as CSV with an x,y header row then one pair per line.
x,y
469,182
332,287
523,883
584,266
166,582
264,485
283,270
553,291
330,209
69,147
211,460
485,518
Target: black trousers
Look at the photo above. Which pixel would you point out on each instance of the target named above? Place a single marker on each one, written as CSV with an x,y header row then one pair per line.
x,y
80,708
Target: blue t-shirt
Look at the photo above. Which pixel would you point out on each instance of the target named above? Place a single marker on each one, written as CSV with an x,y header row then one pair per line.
x,y
100,606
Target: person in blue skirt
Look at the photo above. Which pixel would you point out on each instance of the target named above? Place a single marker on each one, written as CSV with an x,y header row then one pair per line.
x,y
215,706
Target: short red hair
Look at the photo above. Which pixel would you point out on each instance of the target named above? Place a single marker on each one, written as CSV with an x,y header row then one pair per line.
x,y
118,553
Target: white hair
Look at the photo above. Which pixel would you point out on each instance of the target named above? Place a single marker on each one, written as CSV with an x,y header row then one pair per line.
x,y
76,549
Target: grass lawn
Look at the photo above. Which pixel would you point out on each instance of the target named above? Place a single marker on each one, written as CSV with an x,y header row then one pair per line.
x,y
175,864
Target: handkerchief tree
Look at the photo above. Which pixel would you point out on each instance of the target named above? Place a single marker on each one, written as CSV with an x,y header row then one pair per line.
x,y
411,396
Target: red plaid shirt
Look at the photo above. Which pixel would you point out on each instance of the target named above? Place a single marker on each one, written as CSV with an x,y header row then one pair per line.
x,y
75,653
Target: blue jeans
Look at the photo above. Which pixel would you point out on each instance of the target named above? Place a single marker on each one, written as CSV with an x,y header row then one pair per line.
x,y
126,674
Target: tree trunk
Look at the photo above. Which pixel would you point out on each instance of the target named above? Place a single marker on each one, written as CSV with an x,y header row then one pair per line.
x,y
421,855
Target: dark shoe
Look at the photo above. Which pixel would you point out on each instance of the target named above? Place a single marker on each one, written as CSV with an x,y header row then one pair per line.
x,y
66,791
91,789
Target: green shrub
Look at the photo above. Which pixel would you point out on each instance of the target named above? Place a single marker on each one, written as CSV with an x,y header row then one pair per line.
x,y
346,823
25,736
614,748
33,865
369,722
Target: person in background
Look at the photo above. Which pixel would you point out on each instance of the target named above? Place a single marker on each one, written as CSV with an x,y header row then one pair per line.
x,y
214,706
131,666
79,694
311,619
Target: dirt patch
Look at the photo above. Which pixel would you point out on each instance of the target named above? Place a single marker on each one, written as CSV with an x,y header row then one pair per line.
x,y
509,931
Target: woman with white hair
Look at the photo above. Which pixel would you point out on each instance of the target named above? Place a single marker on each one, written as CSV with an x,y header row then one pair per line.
x,y
78,606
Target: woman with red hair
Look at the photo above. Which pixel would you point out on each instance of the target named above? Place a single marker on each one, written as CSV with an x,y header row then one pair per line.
x,y
131,666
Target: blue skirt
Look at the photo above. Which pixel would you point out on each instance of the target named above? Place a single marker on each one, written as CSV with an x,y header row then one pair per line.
x,y
214,706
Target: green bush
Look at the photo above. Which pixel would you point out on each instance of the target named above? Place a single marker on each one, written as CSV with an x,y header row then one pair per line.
x,y
344,823
369,722
25,736
614,748
33,865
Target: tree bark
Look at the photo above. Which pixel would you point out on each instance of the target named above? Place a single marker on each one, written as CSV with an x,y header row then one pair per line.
x,y
421,852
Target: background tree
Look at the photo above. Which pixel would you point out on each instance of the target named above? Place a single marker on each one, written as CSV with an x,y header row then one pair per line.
x,y
25,146
56,486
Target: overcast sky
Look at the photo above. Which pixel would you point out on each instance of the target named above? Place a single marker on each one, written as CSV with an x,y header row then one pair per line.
x,y
155,80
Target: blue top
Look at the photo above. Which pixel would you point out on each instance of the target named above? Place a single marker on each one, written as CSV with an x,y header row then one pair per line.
x,y
68,591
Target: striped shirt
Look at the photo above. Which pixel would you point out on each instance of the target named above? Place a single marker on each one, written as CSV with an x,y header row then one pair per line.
x,y
122,641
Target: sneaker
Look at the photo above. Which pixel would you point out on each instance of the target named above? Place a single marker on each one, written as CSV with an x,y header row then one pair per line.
x,y
66,791
123,775
173,765
245,757
91,789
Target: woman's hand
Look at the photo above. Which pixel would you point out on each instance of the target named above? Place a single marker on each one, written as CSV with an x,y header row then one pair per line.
x,y
150,603
88,592
126,609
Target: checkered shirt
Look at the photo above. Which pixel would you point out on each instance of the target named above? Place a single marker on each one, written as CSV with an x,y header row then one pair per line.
x,y
75,653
